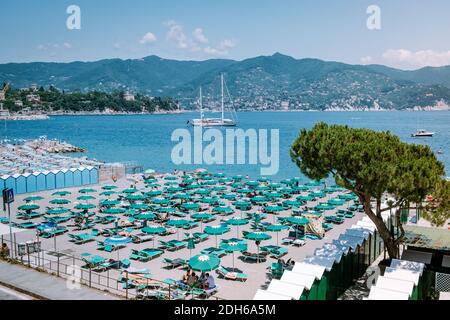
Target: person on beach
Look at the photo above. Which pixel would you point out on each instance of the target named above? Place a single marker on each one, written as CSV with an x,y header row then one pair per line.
x,y
210,283
4,251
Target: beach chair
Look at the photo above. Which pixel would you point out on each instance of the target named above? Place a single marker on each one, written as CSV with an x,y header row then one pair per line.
x,y
198,237
254,257
142,237
190,225
172,245
25,225
214,251
327,226
4,220
145,254
202,293
174,263
92,262
53,233
57,220
231,275
276,270
28,216
81,238
275,252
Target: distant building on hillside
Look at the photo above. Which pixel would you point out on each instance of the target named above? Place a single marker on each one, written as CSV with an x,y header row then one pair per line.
x,y
128,97
34,87
33,98
2,95
285,105
18,103
3,112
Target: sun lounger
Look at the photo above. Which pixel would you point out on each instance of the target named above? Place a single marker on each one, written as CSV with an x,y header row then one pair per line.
x,y
276,270
190,225
92,262
198,237
28,216
202,293
142,237
172,245
53,233
57,220
174,263
275,252
215,251
327,226
81,238
254,257
231,275
146,254
334,219
25,225
4,220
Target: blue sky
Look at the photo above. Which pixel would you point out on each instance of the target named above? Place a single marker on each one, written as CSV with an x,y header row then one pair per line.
x,y
413,33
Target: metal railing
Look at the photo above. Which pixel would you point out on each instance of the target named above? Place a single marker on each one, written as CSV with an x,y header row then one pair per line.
x,y
117,282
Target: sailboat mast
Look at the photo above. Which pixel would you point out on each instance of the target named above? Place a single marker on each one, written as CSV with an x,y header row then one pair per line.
x,y
201,104
222,100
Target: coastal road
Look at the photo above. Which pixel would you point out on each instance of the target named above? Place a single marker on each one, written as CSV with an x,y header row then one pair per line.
x,y
8,294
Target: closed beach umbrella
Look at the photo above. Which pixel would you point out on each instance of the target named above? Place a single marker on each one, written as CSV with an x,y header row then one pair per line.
x,y
276,228
154,230
204,262
191,244
234,246
216,230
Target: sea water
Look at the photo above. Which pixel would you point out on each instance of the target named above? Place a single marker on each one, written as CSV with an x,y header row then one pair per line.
x,y
147,138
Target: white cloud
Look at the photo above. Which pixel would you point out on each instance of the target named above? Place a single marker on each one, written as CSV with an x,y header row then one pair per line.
x,y
196,42
148,38
199,36
366,60
67,45
41,47
418,59
176,34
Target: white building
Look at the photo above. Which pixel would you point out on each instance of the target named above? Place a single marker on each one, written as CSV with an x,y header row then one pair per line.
x,y
18,103
34,87
285,105
128,97
2,95
33,98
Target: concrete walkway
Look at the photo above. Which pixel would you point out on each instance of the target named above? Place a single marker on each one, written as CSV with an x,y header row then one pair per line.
x,y
44,286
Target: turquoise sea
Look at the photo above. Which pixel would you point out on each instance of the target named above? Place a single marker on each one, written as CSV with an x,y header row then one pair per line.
x,y
147,138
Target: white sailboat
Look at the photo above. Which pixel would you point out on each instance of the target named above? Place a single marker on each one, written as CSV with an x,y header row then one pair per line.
x,y
213,122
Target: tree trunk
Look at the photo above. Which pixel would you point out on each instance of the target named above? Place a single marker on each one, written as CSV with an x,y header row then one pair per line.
x,y
385,233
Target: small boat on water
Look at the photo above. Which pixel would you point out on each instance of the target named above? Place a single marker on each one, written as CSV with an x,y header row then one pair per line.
x,y
422,134
213,122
